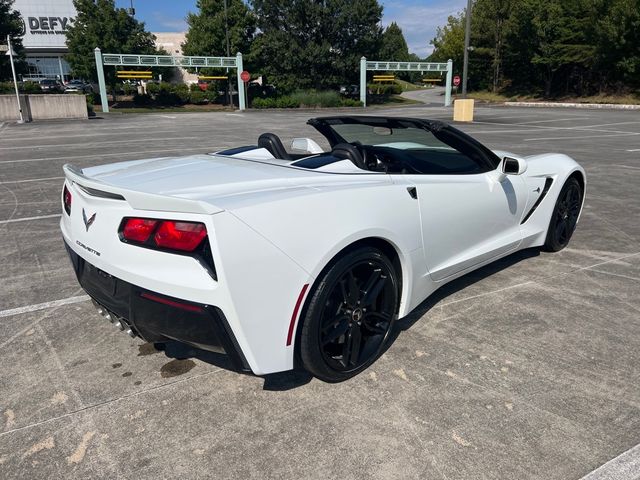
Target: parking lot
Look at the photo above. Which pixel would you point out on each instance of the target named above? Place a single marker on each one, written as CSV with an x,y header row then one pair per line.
x,y
528,368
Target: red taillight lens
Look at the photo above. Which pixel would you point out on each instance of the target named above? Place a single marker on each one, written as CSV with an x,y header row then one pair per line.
x,y
185,236
66,200
138,229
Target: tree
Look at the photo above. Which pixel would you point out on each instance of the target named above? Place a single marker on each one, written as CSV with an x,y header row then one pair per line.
x,y
449,42
207,33
394,46
100,24
314,43
10,24
617,33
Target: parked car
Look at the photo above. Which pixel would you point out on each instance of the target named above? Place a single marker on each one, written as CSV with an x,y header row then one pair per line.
x,y
281,259
78,86
51,85
350,91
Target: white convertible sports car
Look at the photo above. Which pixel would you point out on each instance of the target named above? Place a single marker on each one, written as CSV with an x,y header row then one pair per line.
x,y
281,259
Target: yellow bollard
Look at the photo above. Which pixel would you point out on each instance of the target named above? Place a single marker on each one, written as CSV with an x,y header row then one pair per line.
x,y
463,110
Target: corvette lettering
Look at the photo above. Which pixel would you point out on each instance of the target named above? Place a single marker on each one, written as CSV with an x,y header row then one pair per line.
x,y
88,249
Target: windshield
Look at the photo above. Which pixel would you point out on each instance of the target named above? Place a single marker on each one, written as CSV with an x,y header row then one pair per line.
x,y
399,136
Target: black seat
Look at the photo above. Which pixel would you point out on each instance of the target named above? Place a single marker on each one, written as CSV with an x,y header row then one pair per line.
x,y
349,152
274,145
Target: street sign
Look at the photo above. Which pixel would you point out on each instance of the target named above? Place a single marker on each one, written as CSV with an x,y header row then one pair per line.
x,y
456,80
244,76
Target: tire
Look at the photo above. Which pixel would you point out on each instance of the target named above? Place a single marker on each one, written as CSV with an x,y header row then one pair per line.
x,y
564,217
349,316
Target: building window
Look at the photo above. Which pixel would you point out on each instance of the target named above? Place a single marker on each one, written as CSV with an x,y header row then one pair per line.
x,y
48,67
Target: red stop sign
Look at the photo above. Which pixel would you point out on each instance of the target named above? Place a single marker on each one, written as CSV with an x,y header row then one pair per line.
x,y
456,80
244,76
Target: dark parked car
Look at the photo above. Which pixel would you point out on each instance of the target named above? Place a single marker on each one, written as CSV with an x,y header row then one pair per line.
x,y
51,86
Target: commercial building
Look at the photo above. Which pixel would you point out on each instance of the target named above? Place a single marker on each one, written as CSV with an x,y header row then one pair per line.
x,y
44,39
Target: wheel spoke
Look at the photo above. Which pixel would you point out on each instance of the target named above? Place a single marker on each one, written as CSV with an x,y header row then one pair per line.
x,y
377,323
371,295
354,291
351,348
335,334
334,322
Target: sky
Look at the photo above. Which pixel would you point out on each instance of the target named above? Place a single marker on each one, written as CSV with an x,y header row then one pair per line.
x,y
417,18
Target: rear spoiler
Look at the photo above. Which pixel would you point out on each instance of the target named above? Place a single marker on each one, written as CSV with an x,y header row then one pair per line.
x,y
137,199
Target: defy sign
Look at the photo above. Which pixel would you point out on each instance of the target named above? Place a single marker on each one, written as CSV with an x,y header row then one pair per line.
x,y
45,23
48,25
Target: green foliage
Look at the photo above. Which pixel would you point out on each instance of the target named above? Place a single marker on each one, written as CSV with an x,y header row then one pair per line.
x,y
394,46
206,35
311,44
306,99
142,100
10,24
100,24
197,97
547,47
23,87
385,88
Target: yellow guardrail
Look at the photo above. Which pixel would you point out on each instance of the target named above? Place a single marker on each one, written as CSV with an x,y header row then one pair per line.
x,y
431,80
384,78
140,74
212,77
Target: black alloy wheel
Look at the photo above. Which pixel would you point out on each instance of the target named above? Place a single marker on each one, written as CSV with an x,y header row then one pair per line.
x,y
349,315
565,216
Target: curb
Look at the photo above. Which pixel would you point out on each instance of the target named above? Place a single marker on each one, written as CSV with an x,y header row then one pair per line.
x,y
603,106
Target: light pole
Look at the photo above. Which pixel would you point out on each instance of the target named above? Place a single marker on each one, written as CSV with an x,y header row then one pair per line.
x,y
226,36
15,80
467,34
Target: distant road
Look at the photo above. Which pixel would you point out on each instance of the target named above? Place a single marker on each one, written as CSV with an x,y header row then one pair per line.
x,y
428,95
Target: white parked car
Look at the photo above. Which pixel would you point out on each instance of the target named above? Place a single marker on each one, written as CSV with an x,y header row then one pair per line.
x,y
281,259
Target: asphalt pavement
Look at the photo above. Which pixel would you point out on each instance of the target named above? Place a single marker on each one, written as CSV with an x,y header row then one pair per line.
x,y
526,369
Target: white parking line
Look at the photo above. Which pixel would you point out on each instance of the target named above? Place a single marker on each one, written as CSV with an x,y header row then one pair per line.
x,y
625,466
634,150
42,306
583,136
31,180
26,219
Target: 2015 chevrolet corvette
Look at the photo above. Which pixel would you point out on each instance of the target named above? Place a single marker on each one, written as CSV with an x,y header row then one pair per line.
x,y
280,259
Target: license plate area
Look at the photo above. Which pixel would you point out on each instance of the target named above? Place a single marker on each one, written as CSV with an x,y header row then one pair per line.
x,y
98,280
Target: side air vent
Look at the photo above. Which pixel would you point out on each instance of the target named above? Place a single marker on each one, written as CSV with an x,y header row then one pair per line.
x,y
545,190
99,193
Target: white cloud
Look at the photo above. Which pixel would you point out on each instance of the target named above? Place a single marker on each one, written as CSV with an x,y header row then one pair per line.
x,y
419,22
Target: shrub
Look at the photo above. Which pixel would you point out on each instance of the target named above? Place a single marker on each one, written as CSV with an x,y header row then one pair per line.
x,y
286,102
181,92
143,100
30,87
385,89
197,97
349,102
153,88
129,89
194,87
313,98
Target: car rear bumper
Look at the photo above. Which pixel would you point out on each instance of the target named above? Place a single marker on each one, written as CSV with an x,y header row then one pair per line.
x,y
156,317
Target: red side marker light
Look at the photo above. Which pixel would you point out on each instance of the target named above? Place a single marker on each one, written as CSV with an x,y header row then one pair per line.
x,y
294,316
138,229
185,236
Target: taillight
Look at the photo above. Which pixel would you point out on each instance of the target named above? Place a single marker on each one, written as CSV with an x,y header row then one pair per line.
x,y
66,200
138,229
163,234
185,236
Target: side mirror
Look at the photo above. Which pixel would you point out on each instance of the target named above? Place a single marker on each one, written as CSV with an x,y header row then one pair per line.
x,y
306,145
513,166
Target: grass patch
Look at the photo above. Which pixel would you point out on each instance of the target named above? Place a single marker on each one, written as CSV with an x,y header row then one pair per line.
x,y
490,97
408,86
